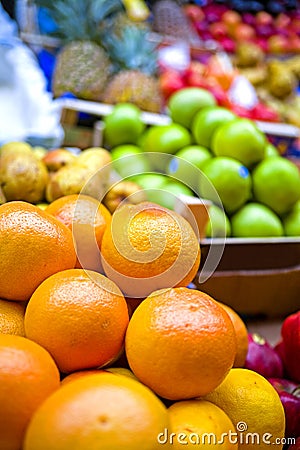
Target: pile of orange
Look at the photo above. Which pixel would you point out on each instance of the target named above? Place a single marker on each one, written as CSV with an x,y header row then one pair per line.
x,y
62,386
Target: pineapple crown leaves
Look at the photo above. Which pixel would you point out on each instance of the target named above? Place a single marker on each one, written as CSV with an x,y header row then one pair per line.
x,y
80,19
132,50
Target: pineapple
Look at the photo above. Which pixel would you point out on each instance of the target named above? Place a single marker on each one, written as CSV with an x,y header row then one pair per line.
x,y
82,66
170,20
134,58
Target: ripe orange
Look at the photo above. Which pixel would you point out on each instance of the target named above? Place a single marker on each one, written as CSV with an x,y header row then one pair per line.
x,y
33,246
12,317
106,411
87,218
198,423
148,247
28,375
79,374
180,343
80,317
241,336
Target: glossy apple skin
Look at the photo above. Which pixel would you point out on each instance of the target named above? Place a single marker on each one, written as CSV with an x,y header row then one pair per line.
x,y
262,358
290,332
289,393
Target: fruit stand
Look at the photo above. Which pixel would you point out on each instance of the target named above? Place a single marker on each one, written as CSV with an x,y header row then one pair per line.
x,y
150,225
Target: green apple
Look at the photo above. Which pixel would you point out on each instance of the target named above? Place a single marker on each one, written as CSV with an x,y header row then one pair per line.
x,y
185,103
218,224
187,162
256,220
123,125
276,183
229,179
271,151
166,138
291,222
150,180
207,121
129,160
167,195
240,139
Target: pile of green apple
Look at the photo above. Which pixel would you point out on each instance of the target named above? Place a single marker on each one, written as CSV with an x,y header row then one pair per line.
x,y
208,152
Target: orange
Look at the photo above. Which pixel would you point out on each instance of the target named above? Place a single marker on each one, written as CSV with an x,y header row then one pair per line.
x,y
241,336
148,247
12,317
80,317
254,407
87,218
202,425
28,375
81,373
33,246
180,343
105,411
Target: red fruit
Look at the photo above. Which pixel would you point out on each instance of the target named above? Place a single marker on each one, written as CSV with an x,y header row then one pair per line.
x,y
241,111
231,18
249,19
244,32
194,13
265,113
220,96
290,332
262,358
295,446
278,44
282,21
289,394
228,44
170,81
263,18
218,30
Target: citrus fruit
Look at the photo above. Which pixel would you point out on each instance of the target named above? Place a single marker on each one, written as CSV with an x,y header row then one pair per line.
x,y
253,405
276,183
271,151
241,333
12,317
98,411
123,125
186,164
202,425
33,246
121,371
148,247
256,220
87,218
291,222
180,343
80,317
129,160
184,104
79,374
240,139
230,179
168,194
166,139
207,121
218,224
28,375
